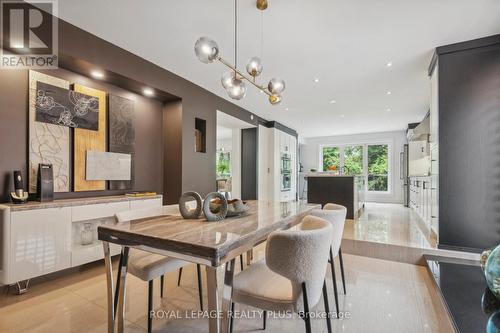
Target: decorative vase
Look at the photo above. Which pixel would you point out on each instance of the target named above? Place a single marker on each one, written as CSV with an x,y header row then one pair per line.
x,y
87,234
492,271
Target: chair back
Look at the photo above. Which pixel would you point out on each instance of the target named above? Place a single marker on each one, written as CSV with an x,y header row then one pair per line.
x,y
336,215
136,214
301,256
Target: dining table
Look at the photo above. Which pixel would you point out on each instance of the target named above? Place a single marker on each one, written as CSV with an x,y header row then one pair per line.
x,y
212,244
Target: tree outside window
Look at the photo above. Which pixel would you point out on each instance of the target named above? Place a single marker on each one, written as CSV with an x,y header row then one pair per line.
x,y
331,159
353,160
223,166
378,168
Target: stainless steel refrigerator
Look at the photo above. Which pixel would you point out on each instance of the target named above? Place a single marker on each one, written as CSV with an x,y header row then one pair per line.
x,y
403,175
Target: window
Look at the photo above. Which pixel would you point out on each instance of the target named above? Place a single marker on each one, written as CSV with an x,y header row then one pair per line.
x,y
370,161
331,159
378,168
353,160
223,164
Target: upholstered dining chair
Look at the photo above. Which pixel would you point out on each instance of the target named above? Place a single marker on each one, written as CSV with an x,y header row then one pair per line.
x,y
149,266
336,215
292,276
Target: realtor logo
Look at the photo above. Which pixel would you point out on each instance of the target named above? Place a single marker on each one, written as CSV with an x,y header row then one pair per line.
x,y
28,34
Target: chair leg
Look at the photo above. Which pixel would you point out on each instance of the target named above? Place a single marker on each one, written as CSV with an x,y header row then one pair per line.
x,y
327,307
342,269
231,322
179,278
162,284
264,323
200,286
241,262
306,318
334,282
150,306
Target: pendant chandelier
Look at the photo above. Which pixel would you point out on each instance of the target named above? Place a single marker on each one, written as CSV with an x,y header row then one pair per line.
x,y
233,81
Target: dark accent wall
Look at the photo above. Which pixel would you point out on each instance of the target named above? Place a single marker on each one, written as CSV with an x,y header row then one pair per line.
x,y
469,144
14,131
195,171
249,162
172,152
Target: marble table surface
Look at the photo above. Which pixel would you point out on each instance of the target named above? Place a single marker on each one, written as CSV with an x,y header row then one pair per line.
x,y
210,243
30,205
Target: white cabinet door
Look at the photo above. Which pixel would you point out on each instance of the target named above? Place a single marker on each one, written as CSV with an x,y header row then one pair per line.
x,y
40,242
146,203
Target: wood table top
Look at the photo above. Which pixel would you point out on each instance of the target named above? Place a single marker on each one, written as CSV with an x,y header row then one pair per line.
x,y
212,242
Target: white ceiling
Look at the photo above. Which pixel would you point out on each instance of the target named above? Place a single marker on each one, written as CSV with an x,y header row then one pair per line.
x,y
344,43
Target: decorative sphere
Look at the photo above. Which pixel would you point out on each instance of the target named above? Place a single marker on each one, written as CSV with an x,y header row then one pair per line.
x,y
275,99
276,86
254,66
227,79
492,271
206,50
238,89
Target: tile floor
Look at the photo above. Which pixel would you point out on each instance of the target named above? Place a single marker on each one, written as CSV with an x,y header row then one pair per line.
x,y
382,296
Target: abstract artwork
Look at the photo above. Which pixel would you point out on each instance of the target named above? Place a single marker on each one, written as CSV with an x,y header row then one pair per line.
x,y
108,166
86,140
48,143
64,107
121,124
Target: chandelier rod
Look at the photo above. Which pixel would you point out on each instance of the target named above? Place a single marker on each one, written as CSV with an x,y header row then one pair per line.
x,y
261,88
235,36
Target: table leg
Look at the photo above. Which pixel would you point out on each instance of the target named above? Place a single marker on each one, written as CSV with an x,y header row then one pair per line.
x,y
109,283
122,271
216,308
213,299
227,295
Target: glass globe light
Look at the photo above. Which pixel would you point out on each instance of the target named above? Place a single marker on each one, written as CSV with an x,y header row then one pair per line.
x,y
227,79
206,50
275,99
254,66
276,86
237,90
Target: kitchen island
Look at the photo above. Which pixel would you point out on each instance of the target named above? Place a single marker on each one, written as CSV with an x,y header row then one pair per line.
x,y
327,187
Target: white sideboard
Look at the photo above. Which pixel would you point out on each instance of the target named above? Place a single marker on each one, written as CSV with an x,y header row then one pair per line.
x,y
41,238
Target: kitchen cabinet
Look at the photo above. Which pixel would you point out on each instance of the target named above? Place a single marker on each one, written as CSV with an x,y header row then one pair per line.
x,y
420,198
434,107
275,146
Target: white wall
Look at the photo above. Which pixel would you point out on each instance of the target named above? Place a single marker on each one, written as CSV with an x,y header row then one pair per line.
x,y
310,157
236,163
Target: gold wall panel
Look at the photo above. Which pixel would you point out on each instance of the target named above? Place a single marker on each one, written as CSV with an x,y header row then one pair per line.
x,y
85,140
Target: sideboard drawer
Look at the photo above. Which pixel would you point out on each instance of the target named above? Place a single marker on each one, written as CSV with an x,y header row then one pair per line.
x,y
145,203
98,211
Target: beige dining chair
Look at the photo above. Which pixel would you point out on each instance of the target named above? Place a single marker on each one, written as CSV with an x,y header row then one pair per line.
x,y
292,276
336,215
149,266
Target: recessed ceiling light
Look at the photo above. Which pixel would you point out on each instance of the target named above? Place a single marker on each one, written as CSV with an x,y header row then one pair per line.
x,y
389,64
316,80
388,110
148,92
97,74
251,116
342,116
389,92
333,101
286,109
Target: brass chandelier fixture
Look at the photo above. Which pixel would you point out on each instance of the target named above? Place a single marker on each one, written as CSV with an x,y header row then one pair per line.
x,y
233,81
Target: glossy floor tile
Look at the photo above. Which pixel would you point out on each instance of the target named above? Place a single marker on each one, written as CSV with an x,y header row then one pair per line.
x,y
382,296
389,224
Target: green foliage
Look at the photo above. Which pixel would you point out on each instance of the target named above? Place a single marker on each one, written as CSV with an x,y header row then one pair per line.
x,y
378,164
378,168
223,166
353,160
331,156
